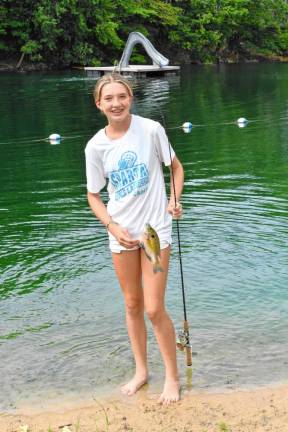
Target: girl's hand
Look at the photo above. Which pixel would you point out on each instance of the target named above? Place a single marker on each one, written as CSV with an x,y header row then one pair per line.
x,y
175,211
122,236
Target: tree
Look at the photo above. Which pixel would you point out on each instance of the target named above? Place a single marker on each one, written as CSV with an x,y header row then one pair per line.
x,y
65,32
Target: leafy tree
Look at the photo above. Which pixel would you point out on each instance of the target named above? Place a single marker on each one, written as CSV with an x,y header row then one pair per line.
x,y
66,32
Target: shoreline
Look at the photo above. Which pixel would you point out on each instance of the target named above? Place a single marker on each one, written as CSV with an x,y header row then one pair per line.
x,y
239,410
9,65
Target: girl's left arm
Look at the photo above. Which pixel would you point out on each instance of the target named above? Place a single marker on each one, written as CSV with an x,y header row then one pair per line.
x,y
178,174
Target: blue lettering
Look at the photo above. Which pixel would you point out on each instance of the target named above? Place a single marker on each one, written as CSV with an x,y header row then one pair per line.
x,y
123,178
129,179
130,175
143,171
130,188
115,179
136,172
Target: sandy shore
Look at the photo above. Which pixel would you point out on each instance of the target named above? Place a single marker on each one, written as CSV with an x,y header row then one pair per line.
x,y
258,410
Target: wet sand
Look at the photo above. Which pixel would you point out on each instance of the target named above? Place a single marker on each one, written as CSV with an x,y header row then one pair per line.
x,y
257,410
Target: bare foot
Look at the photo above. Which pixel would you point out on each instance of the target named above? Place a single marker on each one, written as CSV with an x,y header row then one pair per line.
x,y
134,385
171,392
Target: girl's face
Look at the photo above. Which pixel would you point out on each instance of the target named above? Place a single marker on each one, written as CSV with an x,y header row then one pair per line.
x,y
115,102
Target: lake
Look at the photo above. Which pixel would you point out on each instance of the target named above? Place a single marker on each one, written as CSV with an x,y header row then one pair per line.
x,y
62,323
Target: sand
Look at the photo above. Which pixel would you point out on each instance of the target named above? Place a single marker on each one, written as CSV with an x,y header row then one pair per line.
x,y
257,410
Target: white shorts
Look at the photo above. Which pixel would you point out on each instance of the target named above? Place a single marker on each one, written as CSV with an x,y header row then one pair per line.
x,y
164,237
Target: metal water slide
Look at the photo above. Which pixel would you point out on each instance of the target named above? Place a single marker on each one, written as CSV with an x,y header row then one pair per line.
x,y
138,38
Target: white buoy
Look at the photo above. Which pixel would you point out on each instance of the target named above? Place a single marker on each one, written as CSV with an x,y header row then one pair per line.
x,y
242,122
187,127
54,138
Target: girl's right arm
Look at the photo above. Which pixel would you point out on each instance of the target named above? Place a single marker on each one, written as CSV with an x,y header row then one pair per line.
x,y
99,209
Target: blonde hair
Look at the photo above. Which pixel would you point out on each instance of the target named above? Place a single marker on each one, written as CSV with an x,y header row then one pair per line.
x,y
108,79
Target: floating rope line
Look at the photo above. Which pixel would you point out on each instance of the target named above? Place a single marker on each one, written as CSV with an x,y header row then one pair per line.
x,y
47,139
241,122
186,127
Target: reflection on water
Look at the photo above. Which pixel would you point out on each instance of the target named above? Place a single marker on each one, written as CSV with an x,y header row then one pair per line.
x,y
62,327
152,97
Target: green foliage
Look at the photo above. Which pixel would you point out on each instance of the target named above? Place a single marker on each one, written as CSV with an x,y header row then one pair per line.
x,y
66,32
219,29
32,48
223,427
3,26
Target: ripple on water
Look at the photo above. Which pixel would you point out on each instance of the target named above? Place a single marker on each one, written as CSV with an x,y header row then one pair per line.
x,y
62,324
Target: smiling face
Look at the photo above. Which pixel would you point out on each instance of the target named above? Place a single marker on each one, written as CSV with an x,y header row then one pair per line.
x,y
115,102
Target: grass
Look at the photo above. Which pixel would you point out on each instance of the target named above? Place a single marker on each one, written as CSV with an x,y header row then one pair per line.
x,y
107,423
75,427
223,427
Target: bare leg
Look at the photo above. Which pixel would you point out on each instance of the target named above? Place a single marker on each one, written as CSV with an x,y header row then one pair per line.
x,y
154,292
128,270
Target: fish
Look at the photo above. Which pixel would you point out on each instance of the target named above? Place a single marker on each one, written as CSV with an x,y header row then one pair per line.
x,y
151,244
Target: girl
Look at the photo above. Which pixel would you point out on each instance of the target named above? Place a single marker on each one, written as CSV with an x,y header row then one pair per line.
x,y
130,151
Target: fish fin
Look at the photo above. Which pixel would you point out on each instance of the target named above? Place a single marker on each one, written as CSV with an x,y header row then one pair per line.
x,y
149,258
157,268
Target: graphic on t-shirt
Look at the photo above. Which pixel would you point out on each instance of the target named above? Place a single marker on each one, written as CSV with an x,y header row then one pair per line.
x,y
130,178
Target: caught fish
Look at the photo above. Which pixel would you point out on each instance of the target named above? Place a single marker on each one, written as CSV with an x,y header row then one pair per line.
x,y
151,245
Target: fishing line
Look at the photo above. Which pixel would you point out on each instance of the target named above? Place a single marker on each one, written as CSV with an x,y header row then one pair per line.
x,y
178,236
177,221
184,336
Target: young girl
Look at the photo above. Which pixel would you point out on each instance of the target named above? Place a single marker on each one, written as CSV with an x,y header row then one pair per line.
x,y
130,151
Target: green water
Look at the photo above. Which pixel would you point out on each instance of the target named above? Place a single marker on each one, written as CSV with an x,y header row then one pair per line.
x,y
62,326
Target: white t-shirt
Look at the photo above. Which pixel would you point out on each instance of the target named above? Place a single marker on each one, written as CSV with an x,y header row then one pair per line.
x,y
133,165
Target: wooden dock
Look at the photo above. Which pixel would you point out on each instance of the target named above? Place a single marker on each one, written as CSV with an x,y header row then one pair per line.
x,y
139,70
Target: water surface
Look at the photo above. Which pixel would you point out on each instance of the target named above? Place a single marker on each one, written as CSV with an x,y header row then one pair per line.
x,y
62,326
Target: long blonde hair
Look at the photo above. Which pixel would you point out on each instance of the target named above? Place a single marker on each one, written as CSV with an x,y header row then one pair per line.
x,y
111,78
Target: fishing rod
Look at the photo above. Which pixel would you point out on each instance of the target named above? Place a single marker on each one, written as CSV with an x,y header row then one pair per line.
x,y
183,342
184,336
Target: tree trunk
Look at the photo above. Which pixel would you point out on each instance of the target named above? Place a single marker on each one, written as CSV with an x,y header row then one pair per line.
x,y
20,61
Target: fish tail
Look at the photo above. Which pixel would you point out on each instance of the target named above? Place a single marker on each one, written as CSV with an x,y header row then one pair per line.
x,y
157,268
